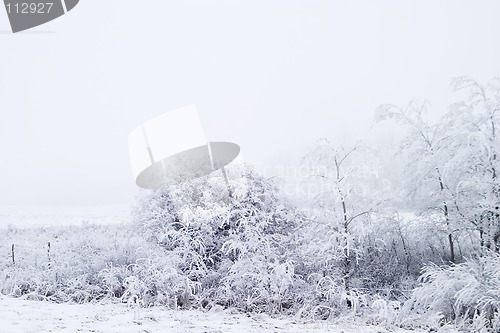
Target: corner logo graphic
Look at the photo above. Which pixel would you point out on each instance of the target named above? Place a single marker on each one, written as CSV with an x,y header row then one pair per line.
x,y
26,14
172,148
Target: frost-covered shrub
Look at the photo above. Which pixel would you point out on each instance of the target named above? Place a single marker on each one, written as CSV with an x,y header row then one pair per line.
x,y
232,242
467,294
85,263
257,240
160,278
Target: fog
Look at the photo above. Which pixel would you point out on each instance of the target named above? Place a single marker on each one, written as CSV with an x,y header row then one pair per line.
x,y
271,76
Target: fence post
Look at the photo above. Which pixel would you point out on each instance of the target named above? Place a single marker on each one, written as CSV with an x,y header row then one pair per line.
x,y
48,253
13,260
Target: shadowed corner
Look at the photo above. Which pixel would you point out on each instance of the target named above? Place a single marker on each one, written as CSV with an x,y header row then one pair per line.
x,y
24,20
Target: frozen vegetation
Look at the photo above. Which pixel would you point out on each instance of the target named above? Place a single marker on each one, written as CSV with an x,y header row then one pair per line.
x,y
415,248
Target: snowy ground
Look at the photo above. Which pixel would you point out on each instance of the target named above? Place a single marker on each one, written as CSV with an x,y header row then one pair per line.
x,y
41,216
18,315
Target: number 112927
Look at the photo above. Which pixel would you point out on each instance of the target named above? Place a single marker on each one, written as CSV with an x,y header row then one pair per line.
x,y
29,8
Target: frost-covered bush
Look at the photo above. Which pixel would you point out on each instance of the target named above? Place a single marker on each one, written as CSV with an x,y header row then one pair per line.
x,y
467,294
85,263
233,241
257,240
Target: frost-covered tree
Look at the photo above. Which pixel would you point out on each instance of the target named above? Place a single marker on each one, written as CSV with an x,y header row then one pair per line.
x,y
426,152
452,165
340,212
476,141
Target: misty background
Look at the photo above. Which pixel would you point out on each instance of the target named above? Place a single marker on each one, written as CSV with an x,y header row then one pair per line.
x,y
271,76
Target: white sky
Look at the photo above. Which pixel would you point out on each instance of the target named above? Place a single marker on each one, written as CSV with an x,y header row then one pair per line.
x,y
272,76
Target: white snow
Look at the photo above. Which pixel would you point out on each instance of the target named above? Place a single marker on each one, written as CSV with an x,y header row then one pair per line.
x,y
17,315
47,216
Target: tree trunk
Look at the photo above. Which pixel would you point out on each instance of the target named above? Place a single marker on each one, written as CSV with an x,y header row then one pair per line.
x,y
447,218
347,261
452,248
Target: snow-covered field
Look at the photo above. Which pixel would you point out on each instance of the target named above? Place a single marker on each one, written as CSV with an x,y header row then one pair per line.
x,y
22,315
44,216
18,315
